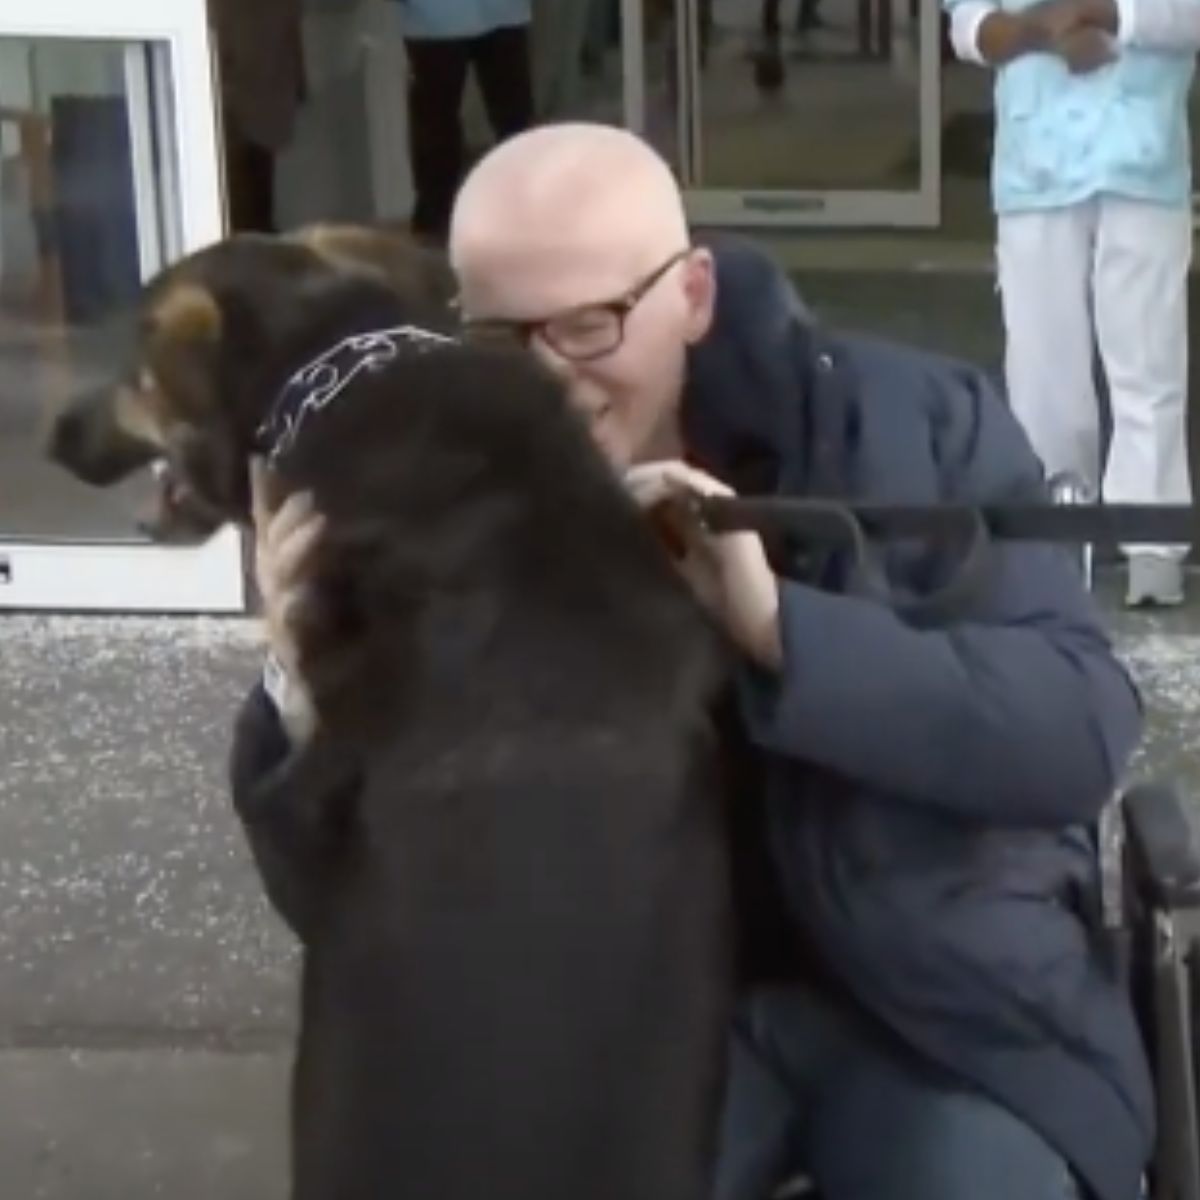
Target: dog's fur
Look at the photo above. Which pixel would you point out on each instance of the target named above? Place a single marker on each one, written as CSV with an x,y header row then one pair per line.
x,y
513,886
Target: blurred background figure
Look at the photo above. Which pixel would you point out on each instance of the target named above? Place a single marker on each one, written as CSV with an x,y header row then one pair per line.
x,y
561,31
1092,194
446,40
261,93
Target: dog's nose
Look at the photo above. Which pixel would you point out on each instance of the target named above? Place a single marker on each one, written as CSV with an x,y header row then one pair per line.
x,y
84,440
72,444
67,439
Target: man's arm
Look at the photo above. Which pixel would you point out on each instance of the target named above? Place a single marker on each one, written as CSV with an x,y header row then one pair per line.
x,y
1169,26
1083,33
283,792
1026,723
284,799
1019,715
981,33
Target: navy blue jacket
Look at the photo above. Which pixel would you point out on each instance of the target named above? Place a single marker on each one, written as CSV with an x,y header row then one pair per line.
x,y
929,790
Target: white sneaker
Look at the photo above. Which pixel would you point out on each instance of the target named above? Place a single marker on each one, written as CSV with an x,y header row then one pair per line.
x,y
1155,581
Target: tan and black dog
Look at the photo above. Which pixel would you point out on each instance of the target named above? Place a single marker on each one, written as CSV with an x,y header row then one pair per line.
x,y
504,850
205,328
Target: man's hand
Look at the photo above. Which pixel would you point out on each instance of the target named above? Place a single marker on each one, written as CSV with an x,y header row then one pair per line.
x,y
1068,28
728,572
1086,49
1078,31
1056,20
284,539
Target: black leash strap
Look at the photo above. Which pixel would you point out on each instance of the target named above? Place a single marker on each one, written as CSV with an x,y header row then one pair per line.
x,y
829,521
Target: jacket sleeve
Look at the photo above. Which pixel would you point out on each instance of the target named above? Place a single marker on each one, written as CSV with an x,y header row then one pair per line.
x,y
966,16
1164,25
288,802
1019,715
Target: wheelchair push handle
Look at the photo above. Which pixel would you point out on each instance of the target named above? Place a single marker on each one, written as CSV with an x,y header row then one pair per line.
x,y
831,521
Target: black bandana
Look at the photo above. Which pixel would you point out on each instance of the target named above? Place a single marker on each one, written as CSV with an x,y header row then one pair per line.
x,y
321,381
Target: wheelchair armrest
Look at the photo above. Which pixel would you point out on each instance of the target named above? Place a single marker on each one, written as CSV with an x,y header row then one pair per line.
x,y
1163,846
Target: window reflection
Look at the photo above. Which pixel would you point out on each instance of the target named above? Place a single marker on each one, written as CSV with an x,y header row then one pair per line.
x,y
83,192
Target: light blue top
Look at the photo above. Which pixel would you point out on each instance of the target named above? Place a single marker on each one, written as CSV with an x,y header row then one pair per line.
x,y
1062,138
442,20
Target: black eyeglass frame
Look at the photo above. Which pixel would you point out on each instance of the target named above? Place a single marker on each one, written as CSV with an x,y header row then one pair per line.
x,y
618,308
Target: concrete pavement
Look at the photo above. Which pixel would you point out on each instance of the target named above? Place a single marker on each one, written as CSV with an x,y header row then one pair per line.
x,y
146,991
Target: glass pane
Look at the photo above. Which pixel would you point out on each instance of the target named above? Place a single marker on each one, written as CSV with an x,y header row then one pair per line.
x,y
662,35
577,60
967,122
87,210
1194,130
808,95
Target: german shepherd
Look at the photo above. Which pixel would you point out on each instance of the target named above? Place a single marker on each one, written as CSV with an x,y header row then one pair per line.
x,y
507,845
204,328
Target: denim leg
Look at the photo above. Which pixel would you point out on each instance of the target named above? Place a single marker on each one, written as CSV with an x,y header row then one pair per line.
x,y
817,1089
758,1126
782,1042
887,1129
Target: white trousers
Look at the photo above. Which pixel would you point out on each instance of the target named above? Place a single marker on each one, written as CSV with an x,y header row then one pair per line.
x,y
1108,274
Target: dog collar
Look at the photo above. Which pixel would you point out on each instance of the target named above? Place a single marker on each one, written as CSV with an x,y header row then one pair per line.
x,y
322,380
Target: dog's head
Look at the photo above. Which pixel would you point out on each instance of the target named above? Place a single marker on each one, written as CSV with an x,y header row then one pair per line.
x,y
218,334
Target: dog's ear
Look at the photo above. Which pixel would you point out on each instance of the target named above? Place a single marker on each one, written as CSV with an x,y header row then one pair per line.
x,y
185,314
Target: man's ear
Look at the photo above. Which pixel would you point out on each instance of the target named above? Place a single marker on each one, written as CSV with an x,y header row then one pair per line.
x,y
700,293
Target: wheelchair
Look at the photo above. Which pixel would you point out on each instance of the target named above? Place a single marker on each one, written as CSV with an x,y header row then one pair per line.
x,y
1148,850
1150,900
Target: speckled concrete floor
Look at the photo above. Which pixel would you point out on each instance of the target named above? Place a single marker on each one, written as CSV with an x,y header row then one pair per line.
x,y
132,1125
126,897
145,988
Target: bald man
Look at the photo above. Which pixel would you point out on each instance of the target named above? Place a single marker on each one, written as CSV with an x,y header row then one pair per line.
x,y
925,1013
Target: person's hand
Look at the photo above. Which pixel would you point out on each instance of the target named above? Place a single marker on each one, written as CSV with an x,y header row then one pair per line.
x,y
284,538
1086,49
1055,20
729,573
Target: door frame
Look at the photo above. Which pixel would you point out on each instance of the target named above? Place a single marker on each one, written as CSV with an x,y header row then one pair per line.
x,y
793,208
114,574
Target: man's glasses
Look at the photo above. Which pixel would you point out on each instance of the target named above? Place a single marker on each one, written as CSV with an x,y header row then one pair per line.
x,y
580,334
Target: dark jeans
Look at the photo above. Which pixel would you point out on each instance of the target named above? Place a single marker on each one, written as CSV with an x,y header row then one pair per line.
x,y
250,184
818,1091
92,221
437,80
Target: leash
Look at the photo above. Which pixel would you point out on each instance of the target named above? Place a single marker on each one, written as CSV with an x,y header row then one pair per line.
x,y
846,522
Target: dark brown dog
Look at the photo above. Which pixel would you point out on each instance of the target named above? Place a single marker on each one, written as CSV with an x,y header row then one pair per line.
x,y
503,851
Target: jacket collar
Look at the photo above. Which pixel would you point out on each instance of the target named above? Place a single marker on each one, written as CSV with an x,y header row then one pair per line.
x,y
765,406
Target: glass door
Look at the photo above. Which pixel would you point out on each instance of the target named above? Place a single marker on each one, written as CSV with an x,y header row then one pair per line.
x,y
781,113
1194,134
108,170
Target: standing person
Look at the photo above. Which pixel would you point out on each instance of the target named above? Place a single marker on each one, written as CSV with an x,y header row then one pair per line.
x,y
260,52
927,1010
560,35
1091,183
445,40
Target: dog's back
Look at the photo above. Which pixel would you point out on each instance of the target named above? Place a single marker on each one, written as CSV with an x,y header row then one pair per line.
x,y
518,982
